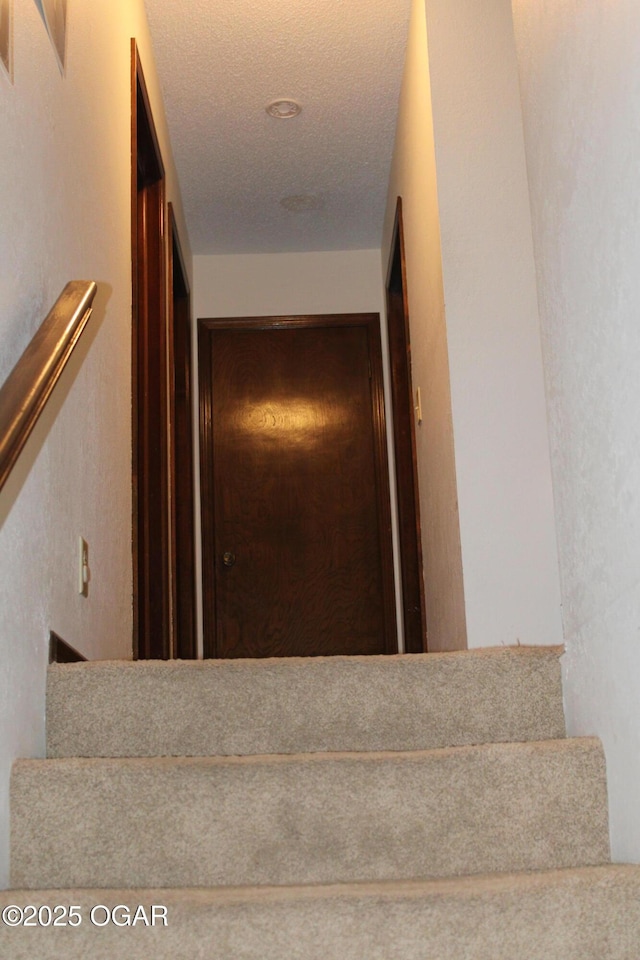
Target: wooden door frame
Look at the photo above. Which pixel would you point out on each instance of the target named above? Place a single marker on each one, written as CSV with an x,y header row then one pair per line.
x,y
151,579
181,463
383,498
404,439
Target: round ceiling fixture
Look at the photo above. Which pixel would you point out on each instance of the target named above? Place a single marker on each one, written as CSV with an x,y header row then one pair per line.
x,y
300,202
283,109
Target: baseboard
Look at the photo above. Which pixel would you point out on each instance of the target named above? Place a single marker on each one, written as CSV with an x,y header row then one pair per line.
x,y
61,652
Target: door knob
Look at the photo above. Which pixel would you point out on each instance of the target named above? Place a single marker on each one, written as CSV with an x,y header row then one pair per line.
x,y
228,558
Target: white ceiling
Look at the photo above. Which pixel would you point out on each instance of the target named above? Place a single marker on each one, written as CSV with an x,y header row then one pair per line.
x,y
220,63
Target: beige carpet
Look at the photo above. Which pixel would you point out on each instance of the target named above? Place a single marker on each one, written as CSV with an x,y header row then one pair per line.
x,y
292,705
376,810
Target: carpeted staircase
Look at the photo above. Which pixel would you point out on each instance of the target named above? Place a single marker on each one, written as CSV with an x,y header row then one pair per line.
x,y
366,808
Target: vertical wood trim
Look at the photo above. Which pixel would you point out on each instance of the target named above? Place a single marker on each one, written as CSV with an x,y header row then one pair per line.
x,y
151,587
411,562
383,497
171,432
205,379
181,473
134,340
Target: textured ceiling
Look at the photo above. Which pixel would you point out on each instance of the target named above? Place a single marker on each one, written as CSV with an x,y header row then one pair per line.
x,y
220,63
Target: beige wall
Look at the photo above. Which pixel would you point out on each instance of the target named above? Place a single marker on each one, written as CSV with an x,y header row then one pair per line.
x,y
65,173
244,285
509,552
413,177
480,265
580,79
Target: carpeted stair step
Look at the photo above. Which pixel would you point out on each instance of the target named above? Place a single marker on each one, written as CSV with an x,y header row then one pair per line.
x,y
288,706
315,818
585,914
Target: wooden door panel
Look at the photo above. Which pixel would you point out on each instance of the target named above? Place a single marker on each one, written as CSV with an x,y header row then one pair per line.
x,y
296,493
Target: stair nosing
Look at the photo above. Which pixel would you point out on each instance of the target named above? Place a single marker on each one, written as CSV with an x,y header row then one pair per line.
x,y
553,651
414,888
559,744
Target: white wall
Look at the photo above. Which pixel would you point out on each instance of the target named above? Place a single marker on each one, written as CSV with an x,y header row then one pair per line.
x,y
285,284
507,532
65,174
413,177
580,78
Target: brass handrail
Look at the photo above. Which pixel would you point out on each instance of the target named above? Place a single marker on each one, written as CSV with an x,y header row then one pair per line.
x,y
29,385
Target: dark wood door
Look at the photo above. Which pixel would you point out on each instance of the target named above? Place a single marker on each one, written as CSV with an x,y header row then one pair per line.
x,y
297,548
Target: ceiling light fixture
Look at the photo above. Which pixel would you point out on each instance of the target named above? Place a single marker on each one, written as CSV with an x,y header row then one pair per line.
x,y
283,109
